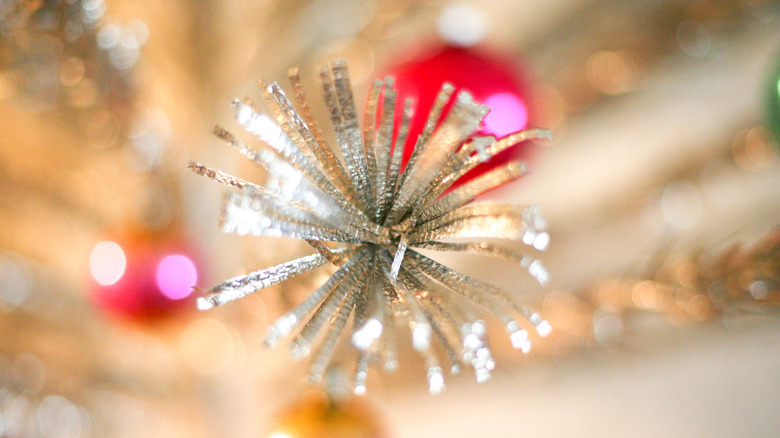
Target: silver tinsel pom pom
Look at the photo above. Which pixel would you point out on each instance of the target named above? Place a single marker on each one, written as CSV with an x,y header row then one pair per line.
x,y
377,216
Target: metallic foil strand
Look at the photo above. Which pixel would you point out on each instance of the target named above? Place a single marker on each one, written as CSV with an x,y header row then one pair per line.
x,y
395,160
474,160
243,214
460,123
368,318
421,265
339,99
326,252
340,300
324,353
384,137
288,119
222,177
534,266
445,338
467,192
457,281
435,189
243,285
389,347
273,135
285,324
329,162
418,323
369,137
444,96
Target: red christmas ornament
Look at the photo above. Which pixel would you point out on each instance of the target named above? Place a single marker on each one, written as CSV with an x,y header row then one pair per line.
x,y
143,276
492,80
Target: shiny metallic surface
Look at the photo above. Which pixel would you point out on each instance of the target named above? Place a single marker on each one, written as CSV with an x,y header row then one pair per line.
x,y
377,216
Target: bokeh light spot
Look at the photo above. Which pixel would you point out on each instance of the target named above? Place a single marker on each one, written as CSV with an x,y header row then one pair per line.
x,y
107,263
462,24
507,114
176,275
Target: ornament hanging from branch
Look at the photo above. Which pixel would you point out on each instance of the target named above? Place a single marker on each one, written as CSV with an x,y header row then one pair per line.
x,y
376,217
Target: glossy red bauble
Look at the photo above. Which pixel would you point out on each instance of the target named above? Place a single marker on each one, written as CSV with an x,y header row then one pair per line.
x,y
142,275
493,80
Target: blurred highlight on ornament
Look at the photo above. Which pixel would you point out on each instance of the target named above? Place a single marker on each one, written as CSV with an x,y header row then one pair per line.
x,y
107,263
176,276
461,24
507,114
